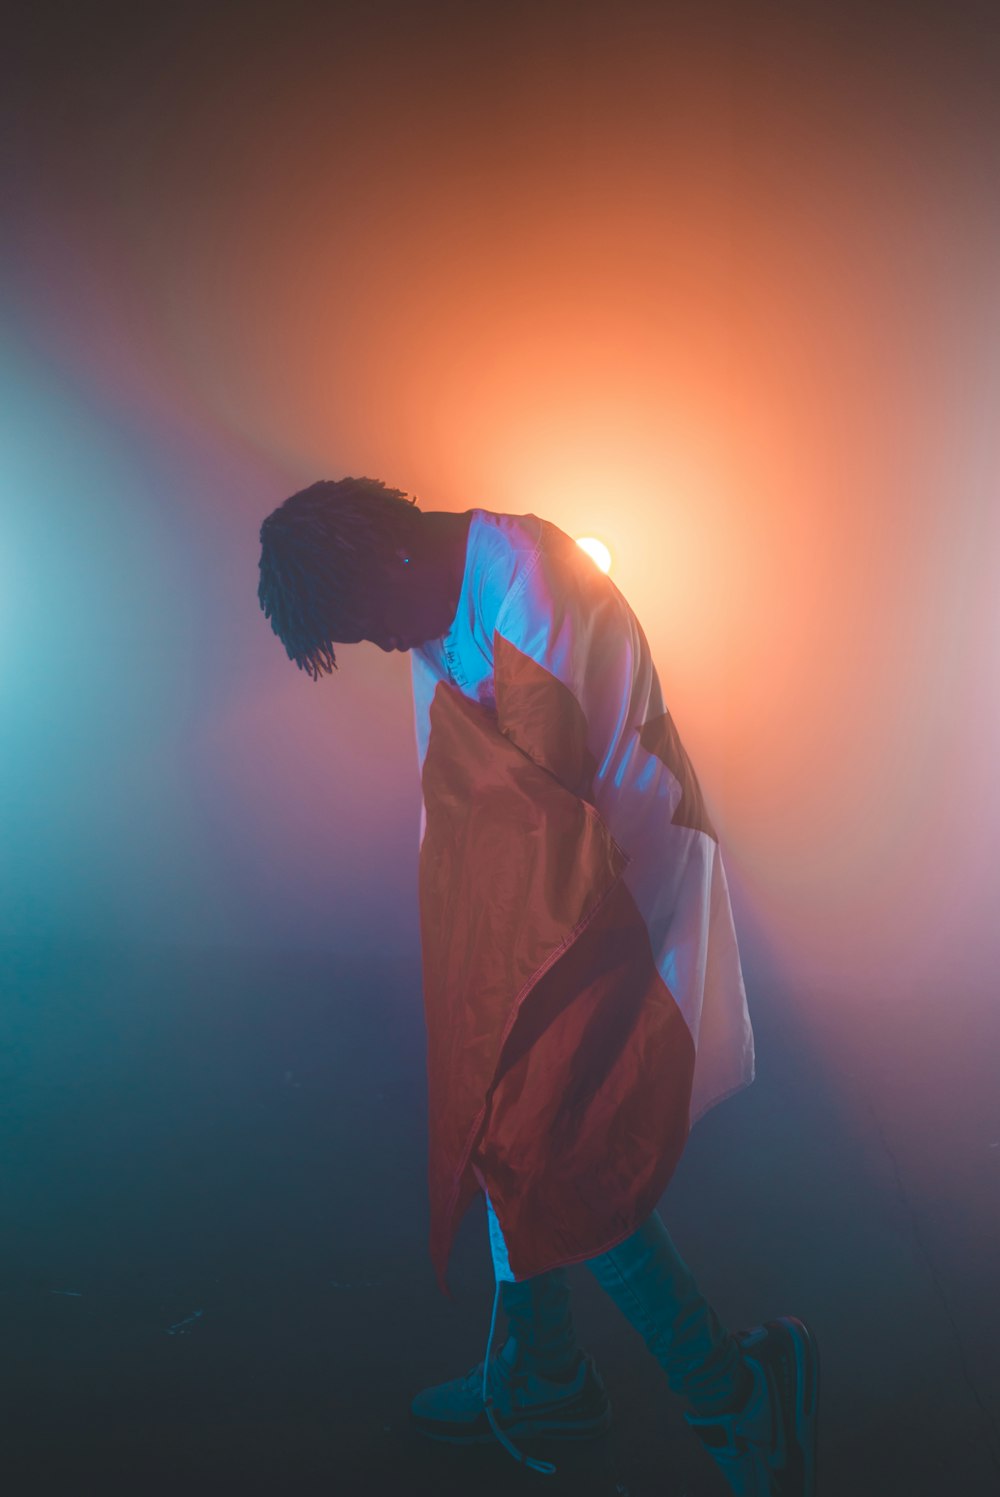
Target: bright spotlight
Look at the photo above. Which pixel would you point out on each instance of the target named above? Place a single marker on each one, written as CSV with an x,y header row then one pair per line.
x,y
596,550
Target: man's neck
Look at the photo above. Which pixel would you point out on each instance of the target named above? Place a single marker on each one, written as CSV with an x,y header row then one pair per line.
x,y
447,537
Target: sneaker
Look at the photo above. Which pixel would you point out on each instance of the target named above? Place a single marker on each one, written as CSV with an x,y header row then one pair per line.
x,y
525,1405
768,1447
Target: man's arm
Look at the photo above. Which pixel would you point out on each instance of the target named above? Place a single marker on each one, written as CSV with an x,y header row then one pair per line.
x,y
566,652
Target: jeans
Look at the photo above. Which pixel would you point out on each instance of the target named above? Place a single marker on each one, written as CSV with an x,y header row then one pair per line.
x,y
653,1287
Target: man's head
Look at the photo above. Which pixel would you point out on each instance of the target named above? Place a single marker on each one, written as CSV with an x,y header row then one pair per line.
x,y
347,560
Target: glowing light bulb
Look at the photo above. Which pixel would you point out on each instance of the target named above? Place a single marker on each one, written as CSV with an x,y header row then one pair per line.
x,y
596,550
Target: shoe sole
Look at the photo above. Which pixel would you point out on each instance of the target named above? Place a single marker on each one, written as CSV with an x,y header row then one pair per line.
x,y
806,1399
521,1429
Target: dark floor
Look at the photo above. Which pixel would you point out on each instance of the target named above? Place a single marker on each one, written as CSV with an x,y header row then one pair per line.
x,y
214,1265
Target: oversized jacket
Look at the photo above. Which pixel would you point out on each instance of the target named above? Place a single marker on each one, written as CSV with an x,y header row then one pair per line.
x,y
582,985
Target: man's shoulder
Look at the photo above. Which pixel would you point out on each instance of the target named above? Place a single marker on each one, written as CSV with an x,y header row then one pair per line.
x,y
518,532
502,550
503,545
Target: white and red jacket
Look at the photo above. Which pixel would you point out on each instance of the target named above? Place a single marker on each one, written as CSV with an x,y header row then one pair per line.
x,y
582,983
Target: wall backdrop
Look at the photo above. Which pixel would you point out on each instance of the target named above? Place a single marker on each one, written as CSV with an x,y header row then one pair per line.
x,y
714,283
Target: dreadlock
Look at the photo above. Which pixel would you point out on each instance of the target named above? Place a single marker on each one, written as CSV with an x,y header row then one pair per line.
x,y
317,552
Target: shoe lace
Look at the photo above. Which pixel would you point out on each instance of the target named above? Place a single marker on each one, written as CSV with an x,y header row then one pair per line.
x,y
544,1467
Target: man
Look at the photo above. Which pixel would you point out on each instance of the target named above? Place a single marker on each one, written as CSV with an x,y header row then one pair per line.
x,y
582,984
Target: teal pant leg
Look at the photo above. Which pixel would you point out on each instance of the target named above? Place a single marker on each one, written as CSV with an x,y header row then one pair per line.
x,y
541,1322
653,1287
537,1309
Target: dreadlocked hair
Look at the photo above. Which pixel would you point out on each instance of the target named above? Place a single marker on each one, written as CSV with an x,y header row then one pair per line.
x,y
317,552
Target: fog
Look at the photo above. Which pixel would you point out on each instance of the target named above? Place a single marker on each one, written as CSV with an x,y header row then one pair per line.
x,y
717,287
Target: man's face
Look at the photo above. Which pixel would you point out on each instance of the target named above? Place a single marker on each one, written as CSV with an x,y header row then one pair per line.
x,y
403,604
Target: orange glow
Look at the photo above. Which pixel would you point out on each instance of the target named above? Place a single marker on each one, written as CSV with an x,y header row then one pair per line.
x,y
596,550
757,371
